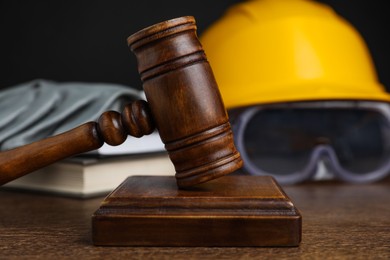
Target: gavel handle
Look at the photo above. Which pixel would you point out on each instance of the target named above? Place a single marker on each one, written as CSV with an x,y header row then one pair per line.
x,y
112,128
20,161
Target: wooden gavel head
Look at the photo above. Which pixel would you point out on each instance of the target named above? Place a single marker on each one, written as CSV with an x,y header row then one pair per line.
x,y
184,104
184,100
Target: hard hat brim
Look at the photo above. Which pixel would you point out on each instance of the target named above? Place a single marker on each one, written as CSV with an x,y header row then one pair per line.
x,y
313,93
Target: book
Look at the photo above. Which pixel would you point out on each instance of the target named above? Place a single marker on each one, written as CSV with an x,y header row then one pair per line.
x,y
146,144
87,177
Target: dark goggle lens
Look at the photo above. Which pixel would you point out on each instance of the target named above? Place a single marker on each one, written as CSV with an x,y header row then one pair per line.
x,y
280,141
274,144
362,145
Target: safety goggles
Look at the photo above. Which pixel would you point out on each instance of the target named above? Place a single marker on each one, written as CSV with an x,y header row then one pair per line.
x,y
288,140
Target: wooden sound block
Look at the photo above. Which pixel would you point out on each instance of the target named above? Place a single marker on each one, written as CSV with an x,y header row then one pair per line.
x,y
230,211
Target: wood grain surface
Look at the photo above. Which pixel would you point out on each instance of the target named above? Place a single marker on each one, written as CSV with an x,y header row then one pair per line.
x,y
340,221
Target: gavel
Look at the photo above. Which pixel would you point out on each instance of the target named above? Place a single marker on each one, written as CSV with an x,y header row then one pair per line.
x,y
183,103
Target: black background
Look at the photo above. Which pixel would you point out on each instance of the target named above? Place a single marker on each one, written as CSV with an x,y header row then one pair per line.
x,y
85,40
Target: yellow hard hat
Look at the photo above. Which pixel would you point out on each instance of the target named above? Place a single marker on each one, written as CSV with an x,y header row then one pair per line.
x,y
267,51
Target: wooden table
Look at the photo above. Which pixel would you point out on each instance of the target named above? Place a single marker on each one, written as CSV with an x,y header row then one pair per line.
x,y
339,221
